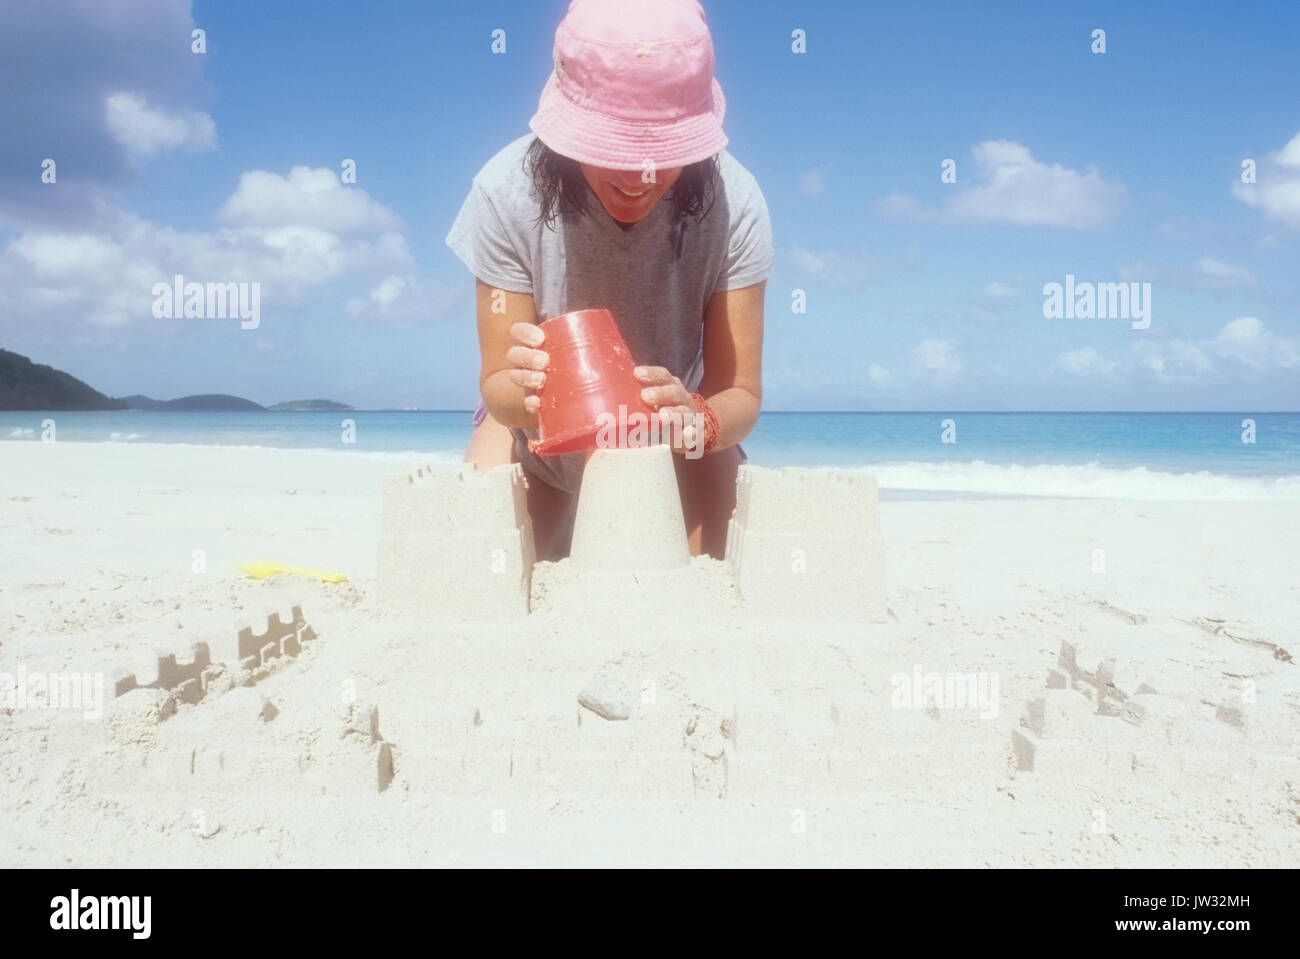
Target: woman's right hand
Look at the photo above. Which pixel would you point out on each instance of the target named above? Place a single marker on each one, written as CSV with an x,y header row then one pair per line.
x,y
527,362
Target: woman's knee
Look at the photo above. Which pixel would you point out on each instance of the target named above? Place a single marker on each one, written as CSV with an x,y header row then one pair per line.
x,y
490,445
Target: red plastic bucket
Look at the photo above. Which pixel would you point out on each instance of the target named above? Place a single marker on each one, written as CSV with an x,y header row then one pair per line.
x,y
589,377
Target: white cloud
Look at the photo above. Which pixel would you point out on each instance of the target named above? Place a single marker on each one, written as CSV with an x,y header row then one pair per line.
x,y
1244,349
813,182
388,290
57,272
932,362
845,270
63,257
998,290
1189,357
1206,274
983,314
900,206
987,305
1246,341
1174,361
814,263
303,254
1013,187
1085,361
384,299
145,131
107,278
1243,330
307,197
879,376
119,85
1276,190
937,358
400,301
88,54
1224,273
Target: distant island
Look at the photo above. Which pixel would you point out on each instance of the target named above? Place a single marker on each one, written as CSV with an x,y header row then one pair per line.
x,y
25,385
310,406
199,403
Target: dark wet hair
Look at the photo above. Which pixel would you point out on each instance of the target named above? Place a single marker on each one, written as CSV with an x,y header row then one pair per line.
x,y
559,182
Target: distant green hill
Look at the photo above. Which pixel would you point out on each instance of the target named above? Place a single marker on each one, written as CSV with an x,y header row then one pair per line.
x,y
309,406
25,385
200,403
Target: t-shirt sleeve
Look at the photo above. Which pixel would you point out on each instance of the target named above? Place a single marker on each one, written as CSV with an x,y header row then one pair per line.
x,y
749,246
479,237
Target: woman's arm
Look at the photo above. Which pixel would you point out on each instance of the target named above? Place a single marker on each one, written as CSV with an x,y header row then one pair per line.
x,y
733,360
509,366
733,371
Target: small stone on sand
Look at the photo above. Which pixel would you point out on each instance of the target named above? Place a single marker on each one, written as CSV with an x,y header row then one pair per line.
x,y
605,699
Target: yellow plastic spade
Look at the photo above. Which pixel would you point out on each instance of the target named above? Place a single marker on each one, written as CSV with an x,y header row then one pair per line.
x,y
263,570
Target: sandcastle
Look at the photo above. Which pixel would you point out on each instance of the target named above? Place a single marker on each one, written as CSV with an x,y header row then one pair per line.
x,y
222,678
187,676
1099,713
457,527
806,545
802,545
629,518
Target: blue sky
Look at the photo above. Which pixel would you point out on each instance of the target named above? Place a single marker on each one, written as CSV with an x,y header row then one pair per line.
x,y
1113,167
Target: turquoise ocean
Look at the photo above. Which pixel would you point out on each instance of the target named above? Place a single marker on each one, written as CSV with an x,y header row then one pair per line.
x,y
1120,455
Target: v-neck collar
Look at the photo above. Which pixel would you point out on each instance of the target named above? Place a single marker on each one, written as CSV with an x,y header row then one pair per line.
x,y
627,238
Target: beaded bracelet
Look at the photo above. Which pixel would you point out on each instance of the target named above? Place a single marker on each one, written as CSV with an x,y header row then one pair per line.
x,y
712,430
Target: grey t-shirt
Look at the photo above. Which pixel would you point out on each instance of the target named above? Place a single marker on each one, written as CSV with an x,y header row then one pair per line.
x,y
656,278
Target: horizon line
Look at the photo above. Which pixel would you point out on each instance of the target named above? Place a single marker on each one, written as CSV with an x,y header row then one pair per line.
x,y
469,410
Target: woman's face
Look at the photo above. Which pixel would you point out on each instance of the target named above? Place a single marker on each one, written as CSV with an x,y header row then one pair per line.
x,y
623,193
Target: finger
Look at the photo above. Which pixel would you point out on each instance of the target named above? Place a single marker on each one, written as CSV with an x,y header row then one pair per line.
x,y
690,439
528,379
673,394
673,414
532,403
653,375
529,334
673,425
522,358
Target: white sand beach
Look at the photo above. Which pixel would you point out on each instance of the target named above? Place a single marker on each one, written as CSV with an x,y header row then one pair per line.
x,y
1172,738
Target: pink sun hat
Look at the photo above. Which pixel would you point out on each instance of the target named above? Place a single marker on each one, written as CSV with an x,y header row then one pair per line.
x,y
633,84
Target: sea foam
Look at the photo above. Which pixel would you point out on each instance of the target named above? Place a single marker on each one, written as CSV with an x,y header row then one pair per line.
x,y
1089,481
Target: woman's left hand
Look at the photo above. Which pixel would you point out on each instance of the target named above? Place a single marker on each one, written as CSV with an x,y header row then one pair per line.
x,y
667,394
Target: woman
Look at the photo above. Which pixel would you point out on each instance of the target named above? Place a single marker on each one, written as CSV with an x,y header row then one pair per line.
x,y
623,198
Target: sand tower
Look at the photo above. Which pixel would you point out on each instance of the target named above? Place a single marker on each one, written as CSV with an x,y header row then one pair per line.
x,y
455,544
802,546
805,545
629,516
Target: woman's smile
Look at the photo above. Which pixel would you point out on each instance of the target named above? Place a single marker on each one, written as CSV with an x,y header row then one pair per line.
x,y
625,195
